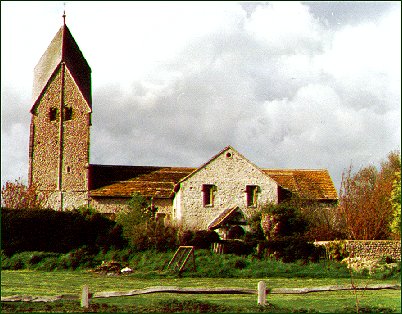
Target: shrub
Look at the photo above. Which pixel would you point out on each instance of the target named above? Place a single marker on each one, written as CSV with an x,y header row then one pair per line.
x,y
290,249
237,247
200,239
48,264
337,250
82,258
24,260
240,264
189,306
72,230
19,196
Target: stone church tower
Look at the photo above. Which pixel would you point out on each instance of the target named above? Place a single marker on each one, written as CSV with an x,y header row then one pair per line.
x,y
60,123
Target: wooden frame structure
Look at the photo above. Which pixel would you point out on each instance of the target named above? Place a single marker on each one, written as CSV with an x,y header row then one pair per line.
x,y
181,257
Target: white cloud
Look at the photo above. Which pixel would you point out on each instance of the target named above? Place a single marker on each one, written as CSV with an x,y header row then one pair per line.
x,y
285,26
174,82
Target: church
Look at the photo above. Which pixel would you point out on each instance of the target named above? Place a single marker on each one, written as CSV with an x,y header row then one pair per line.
x,y
225,189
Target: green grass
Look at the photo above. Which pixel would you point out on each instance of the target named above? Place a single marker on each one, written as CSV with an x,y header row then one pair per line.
x,y
28,282
150,264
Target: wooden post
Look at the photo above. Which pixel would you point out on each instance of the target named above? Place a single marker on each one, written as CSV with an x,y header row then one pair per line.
x,y
85,297
262,291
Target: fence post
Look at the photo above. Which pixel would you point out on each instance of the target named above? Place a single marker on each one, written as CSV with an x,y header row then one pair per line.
x,y
262,292
85,297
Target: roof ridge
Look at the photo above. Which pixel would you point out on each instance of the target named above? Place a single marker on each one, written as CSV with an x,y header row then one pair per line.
x,y
293,169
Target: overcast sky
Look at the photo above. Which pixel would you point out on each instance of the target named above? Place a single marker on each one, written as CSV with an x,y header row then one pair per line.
x,y
289,85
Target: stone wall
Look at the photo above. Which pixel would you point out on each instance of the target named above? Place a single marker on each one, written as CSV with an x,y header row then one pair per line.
x,y
374,248
67,200
75,138
44,153
369,249
46,149
109,205
229,173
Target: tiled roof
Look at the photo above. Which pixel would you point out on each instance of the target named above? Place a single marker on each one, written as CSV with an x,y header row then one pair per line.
x,y
103,175
308,184
223,217
158,182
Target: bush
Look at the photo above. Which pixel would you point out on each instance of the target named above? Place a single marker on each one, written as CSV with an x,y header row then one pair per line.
x,y
24,260
291,249
201,239
73,229
337,250
236,247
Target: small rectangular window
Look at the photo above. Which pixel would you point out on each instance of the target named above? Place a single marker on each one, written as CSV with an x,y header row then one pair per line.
x,y
208,194
52,114
68,113
251,191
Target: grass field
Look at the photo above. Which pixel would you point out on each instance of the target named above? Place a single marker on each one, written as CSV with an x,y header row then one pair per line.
x,y
39,283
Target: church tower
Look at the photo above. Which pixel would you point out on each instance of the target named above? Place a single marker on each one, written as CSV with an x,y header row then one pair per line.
x,y
60,123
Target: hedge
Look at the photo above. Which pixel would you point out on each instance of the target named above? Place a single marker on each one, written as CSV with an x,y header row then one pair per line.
x,y
54,231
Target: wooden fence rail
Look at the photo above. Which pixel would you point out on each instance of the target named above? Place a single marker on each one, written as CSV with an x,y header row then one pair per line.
x,y
261,291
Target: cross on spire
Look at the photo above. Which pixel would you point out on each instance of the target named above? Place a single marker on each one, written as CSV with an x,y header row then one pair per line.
x,y
64,14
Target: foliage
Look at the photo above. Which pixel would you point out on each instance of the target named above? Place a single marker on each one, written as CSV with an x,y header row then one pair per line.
x,y
17,195
386,266
134,221
396,206
142,229
285,229
364,199
324,222
337,250
200,239
256,233
282,220
189,306
52,231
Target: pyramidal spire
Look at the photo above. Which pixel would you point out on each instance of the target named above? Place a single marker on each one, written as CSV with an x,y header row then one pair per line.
x,y
63,48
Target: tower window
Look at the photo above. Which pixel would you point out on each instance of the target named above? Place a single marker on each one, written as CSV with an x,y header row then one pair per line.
x,y
68,113
68,169
52,114
251,191
208,194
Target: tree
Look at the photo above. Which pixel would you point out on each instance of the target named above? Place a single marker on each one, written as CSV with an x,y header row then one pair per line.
x,y
16,195
396,206
364,199
324,222
285,230
134,221
282,220
142,229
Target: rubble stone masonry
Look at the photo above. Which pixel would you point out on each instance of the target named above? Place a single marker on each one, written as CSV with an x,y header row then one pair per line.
x,y
70,189
374,248
229,173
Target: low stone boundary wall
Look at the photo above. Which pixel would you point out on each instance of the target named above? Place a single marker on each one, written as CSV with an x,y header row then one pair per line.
x,y
375,248
370,249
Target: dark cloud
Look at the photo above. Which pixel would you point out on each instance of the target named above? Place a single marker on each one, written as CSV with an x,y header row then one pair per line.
x,y
341,13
